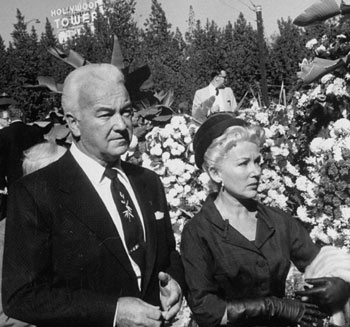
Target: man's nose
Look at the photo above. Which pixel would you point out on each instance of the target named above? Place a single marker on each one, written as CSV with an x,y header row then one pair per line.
x,y
118,122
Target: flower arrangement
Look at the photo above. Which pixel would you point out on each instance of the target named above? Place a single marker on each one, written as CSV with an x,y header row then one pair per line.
x,y
169,153
314,188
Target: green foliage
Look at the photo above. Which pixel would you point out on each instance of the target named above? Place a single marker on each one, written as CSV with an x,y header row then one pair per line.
x,y
179,63
287,51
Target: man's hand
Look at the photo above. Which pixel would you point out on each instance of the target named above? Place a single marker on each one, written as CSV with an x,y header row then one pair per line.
x,y
330,293
207,104
133,312
170,295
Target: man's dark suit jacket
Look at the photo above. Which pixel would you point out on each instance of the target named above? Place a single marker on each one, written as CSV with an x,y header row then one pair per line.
x,y
64,262
14,139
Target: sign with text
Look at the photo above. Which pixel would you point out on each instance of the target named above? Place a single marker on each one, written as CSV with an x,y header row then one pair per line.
x,y
70,20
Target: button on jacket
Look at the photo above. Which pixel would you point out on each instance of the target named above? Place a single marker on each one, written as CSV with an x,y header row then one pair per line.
x,y
222,265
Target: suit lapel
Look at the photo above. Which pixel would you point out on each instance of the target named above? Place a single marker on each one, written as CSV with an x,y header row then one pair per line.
x,y
80,197
142,190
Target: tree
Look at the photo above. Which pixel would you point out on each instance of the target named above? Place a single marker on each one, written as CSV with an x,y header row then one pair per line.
x,y
287,51
24,66
4,67
163,51
244,64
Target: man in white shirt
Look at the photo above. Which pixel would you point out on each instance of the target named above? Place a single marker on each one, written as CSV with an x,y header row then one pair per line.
x,y
66,257
215,97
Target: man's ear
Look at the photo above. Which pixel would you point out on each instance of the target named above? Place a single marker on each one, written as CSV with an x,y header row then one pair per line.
x,y
73,124
215,175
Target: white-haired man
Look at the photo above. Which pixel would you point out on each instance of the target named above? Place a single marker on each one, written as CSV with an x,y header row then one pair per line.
x,y
68,259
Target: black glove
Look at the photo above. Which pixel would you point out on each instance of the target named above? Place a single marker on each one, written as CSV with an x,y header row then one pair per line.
x,y
329,293
291,311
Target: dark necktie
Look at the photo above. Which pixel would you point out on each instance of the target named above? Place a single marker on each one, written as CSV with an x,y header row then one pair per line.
x,y
129,217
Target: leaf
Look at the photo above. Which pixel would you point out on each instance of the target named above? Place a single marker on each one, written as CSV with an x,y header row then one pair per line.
x,y
162,118
318,12
117,56
71,57
165,110
149,112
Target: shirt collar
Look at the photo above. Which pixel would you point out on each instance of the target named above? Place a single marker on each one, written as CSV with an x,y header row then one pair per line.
x,y
212,88
91,167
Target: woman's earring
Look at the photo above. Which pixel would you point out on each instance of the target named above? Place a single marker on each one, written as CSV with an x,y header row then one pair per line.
x,y
222,185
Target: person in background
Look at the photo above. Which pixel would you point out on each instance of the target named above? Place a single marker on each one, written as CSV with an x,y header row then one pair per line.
x,y
216,97
14,139
237,251
36,157
102,250
4,122
40,155
4,118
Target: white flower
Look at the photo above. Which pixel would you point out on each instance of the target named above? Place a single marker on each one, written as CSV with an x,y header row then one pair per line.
x,y
175,202
337,88
187,189
268,133
321,48
292,169
328,144
166,132
302,183
332,233
341,36
345,211
184,130
303,100
167,180
187,139
204,178
177,135
327,78
168,143
316,145
318,234
165,156
176,121
311,43
156,150
303,215
342,127
288,181
337,153
176,166
262,118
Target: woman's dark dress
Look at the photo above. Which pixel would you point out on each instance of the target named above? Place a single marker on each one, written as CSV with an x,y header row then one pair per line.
x,y
222,265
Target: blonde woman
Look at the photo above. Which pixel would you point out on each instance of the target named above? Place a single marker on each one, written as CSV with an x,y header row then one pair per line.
x,y
237,251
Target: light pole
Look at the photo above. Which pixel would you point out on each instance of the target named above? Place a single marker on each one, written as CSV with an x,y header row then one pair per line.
x,y
36,20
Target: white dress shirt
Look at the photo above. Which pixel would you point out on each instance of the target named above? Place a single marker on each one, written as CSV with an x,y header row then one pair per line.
x,y
219,101
95,172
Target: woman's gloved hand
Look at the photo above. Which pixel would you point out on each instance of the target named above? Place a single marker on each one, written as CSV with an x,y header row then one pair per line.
x,y
329,293
291,311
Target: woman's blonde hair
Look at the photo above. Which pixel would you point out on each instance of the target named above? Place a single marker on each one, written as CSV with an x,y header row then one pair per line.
x,y
218,149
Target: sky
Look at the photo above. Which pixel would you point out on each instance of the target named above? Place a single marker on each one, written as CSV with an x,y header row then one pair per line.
x,y
221,11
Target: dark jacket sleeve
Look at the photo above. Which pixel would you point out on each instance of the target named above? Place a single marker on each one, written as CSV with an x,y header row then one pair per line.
x,y
208,308
29,291
303,249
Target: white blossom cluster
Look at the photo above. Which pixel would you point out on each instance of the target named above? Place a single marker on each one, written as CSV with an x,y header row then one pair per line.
x,y
170,154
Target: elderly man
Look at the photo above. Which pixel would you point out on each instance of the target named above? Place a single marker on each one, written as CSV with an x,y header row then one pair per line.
x,y
88,238
215,97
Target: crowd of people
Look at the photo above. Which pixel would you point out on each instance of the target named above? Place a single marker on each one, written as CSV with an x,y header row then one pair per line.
x,y
88,236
